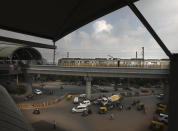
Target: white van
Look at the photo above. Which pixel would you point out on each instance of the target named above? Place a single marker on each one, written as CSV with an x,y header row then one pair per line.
x,y
76,100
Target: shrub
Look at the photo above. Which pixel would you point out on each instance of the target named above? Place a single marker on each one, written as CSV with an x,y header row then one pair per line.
x,y
20,89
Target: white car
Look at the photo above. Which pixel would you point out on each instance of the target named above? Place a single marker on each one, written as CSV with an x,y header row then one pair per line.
x,y
79,108
37,92
82,95
85,103
104,101
163,118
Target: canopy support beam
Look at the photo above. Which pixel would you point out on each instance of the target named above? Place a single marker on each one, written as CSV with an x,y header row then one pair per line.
x,y
173,104
149,28
13,41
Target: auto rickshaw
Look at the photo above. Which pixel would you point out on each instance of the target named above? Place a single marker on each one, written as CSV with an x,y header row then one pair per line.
x,y
160,110
157,126
162,105
102,110
69,97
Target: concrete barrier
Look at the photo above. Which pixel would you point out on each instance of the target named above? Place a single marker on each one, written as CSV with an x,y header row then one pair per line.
x,y
41,105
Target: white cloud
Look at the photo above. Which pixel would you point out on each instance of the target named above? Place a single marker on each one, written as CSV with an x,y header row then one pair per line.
x,y
102,26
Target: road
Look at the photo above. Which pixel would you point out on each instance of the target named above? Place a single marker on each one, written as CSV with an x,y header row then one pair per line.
x,y
66,120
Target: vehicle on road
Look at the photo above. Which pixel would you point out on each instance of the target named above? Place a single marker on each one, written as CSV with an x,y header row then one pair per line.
x,y
79,108
114,98
160,96
69,97
37,92
97,102
36,111
104,101
110,105
161,110
163,118
102,110
29,97
162,105
76,100
82,95
85,103
144,90
157,126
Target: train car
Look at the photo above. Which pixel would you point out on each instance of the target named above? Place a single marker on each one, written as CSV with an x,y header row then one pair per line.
x,y
103,62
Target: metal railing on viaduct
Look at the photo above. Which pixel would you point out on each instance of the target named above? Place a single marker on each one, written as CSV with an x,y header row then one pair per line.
x,y
99,71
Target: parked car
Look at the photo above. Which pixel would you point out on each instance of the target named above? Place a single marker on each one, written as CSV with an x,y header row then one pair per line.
x,y
85,103
37,91
79,108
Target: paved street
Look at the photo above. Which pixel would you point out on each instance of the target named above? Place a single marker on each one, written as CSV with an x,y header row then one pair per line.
x,y
66,120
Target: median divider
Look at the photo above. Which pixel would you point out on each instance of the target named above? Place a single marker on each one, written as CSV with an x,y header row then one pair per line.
x,y
41,105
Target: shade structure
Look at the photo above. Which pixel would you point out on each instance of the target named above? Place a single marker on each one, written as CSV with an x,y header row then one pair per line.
x,y
53,19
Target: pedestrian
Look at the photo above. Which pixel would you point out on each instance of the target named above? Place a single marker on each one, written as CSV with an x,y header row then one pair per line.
x,y
54,124
111,116
145,110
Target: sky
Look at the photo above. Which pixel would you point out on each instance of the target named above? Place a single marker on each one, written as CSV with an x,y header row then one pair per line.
x,y
120,34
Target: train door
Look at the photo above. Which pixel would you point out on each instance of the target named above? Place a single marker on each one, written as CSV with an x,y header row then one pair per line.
x,y
118,63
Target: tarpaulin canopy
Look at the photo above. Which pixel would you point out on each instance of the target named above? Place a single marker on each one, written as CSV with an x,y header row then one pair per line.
x,y
53,19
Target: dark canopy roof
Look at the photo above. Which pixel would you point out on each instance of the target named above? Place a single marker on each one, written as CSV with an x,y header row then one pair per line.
x,y
53,19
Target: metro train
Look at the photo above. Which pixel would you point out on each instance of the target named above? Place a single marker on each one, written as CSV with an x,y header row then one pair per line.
x,y
103,62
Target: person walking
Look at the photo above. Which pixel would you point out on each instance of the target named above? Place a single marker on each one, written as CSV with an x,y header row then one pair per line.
x,y
54,124
111,116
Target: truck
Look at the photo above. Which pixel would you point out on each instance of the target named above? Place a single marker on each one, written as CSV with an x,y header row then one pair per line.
x,y
114,98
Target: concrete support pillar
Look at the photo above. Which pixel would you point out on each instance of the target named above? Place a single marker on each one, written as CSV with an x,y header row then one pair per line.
x,y
173,94
128,82
28,80
88,86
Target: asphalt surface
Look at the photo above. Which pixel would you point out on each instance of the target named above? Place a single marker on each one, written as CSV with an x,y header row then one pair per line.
x,y
126,120
54,88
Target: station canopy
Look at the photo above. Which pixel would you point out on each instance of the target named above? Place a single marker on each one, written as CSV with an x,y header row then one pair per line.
x,y
53,19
